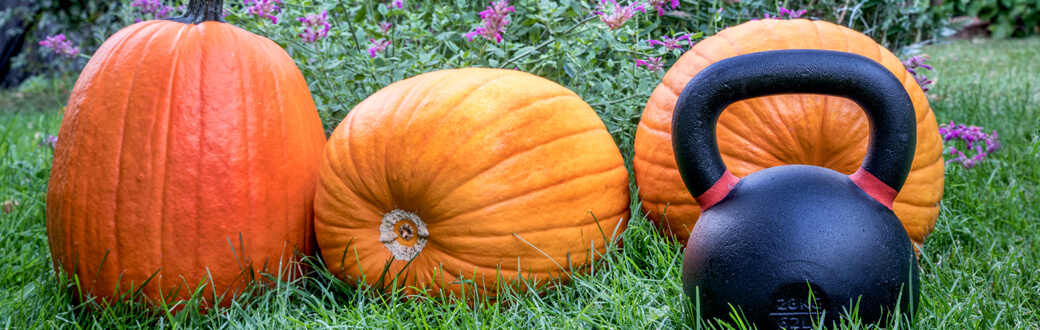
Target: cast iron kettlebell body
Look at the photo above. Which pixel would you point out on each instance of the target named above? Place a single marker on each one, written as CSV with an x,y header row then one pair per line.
x,y
764,240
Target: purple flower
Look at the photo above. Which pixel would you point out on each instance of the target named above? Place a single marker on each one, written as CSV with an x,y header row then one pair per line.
x,y
385,27
495,19
917,62
670,43
154,7
981,143
618,15
660,4
783,11
310,35
923,81
396,3
913,64
264,9
315,26
654,63
378,46
147,6
50,141
792,14
60,45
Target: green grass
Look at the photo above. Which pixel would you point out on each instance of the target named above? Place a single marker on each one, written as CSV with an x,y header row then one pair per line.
x,y
980,267
982,262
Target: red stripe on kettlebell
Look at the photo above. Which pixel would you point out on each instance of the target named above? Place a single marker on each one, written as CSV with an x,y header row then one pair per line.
x,y
718,191
874,187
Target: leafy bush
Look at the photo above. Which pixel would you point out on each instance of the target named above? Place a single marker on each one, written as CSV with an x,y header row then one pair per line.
x,y
612,54
1008,18
614,66
892,23
371,44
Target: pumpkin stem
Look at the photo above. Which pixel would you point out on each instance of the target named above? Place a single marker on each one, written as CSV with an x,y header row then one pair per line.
x,y
403,233
203,11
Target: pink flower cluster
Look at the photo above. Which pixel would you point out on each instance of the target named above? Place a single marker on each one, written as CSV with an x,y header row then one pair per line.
x,y
50,141
154,7
385,27
792,14
784,11
670,43
264,9
377,46
983,144
917,62
495,19
653,63
660,5
315,26
399,4
60,45
618,15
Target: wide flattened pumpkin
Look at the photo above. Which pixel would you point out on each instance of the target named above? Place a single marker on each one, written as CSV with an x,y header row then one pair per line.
x,y
778,130
188,151
464,180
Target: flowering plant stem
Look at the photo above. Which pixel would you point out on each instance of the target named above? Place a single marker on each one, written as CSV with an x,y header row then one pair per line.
x,y
350,27
603,104
325,73
552,39
479,54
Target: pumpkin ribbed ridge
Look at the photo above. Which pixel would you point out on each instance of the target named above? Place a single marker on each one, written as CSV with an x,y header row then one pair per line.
x,y
784,129
502,168
186,150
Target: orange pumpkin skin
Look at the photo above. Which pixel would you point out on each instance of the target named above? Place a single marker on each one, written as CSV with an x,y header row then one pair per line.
x,y
506,172
179,141
785,129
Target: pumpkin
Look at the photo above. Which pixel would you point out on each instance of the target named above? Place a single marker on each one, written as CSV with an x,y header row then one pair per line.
x,y
468,181
188,155
778,130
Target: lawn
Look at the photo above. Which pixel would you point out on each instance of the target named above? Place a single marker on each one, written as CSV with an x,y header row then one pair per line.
x,y
980,267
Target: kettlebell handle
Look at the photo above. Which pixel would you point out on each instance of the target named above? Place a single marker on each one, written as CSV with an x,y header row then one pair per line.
x,y
802,71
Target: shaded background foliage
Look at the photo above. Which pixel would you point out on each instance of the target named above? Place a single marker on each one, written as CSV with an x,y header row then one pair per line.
x,y
23,23
1005,18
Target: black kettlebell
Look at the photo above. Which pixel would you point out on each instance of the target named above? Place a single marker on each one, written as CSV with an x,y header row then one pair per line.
x,y
767,242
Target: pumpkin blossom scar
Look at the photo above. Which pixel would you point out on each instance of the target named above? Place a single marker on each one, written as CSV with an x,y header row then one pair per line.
x,y
403,233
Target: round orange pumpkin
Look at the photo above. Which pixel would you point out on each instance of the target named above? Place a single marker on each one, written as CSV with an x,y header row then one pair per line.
x,y
464,180
778,130
187,150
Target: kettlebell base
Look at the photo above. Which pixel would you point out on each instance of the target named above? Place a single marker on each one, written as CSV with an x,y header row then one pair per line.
x,y
784,230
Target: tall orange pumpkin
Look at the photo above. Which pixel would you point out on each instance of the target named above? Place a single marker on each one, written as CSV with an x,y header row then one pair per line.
x,y
188,149
464,180
778,130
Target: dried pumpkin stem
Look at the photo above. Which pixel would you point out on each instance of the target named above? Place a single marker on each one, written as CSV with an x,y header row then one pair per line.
x,y
403,233
203,11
